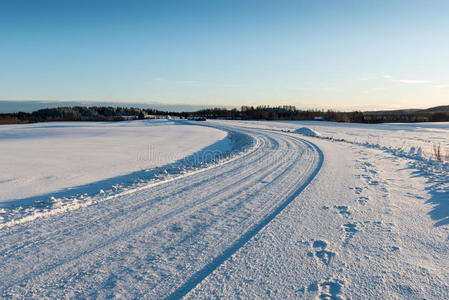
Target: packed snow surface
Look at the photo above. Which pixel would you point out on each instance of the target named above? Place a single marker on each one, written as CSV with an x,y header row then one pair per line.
x,y
360,212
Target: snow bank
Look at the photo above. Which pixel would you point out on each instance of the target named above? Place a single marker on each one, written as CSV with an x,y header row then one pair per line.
x,y
307,131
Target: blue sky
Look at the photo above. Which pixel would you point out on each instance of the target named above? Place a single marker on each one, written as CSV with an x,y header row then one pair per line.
x,y
324,54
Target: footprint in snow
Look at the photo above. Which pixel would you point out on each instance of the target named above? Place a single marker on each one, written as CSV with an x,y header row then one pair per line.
x,y
357,190
367,164
395,248
366,177
350,229
343,210
175,228
362,200
373,182
321,253
386,227
327,289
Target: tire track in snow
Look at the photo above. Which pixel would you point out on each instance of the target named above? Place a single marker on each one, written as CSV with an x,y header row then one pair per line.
x,y
167,217
134,208
200,275
162,218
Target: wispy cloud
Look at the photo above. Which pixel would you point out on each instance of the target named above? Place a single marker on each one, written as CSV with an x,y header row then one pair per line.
x,y
411,81
407,81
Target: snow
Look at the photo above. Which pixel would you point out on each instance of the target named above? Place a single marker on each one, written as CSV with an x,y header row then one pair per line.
x,y
46,158
364,228
307,131
404,136
361,211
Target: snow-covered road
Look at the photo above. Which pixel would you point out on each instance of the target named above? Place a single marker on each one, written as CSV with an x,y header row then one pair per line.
x,y
161,241
289,217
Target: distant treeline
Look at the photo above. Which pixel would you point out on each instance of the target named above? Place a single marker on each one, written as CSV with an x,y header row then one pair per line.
x,y
263,112
80,113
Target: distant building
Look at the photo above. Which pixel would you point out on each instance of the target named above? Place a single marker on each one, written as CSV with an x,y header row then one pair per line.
x,y
129,117
156,117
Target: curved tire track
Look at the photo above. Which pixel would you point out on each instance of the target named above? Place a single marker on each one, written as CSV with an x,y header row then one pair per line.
x,y
200,275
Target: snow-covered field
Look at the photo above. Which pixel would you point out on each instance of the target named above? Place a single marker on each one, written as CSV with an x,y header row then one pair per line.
x,y
46,158
350,211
